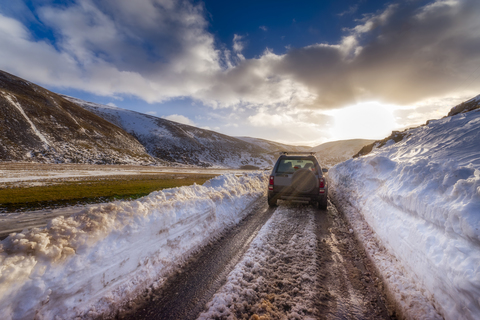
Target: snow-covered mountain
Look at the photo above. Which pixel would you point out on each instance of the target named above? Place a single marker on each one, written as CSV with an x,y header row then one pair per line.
x,y
419,197
41,126
176,142
331,153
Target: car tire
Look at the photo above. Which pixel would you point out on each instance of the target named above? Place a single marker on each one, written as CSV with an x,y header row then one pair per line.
x,y
272,202
322,204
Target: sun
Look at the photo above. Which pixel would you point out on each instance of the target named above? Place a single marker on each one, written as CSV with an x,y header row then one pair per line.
x,y
367,120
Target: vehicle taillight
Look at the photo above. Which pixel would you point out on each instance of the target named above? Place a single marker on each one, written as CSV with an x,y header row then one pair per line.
x,y
270,184
321,183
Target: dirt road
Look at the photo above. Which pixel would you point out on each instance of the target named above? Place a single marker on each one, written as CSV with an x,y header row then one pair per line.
x,y
288,262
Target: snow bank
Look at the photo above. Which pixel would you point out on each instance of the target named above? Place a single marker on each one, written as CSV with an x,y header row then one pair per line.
x,y
91,263
421,199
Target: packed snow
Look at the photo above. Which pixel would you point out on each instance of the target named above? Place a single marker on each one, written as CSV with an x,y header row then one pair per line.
x,y
277,276
91,263
416,206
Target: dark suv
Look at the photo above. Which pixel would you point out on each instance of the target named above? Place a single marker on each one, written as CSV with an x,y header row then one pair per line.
x,y
298,177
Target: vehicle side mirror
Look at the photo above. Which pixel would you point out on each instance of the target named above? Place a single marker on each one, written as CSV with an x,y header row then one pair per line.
x,y
324,170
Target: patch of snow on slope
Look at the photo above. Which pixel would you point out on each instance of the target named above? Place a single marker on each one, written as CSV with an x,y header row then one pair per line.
x,y
421,199
89,264
34,129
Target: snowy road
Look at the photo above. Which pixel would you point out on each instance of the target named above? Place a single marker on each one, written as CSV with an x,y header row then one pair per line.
x,y
291,262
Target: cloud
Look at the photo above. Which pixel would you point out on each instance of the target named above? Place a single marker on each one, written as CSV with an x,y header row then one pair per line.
x,y
351,10
264,28
179,118
153,113
403,54
293,125
158,50
153,49
238,46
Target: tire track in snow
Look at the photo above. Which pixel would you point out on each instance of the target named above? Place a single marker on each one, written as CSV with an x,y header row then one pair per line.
x,y
347,286
277,275
304,264
184,294
297,263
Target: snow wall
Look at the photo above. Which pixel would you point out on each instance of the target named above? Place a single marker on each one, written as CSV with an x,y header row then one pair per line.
x,y
91,263
421,199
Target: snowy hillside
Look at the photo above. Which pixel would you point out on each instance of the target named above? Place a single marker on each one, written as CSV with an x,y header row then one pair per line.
x,y
176,142
419,198
39,126
331,153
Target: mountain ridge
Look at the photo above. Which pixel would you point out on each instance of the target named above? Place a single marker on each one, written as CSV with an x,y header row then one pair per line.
x,y
176,142
41,126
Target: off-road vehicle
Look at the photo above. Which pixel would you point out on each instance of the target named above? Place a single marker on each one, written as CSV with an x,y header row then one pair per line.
x,y
298,177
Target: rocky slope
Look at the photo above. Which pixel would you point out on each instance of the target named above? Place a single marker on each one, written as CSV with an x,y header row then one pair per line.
x,y
466,106
176,142
40,126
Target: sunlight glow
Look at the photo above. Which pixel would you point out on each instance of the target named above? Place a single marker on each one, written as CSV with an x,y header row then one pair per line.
x,y
368,120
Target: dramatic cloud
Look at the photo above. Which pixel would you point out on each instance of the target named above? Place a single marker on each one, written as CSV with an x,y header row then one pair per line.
x,y
153,49
401,55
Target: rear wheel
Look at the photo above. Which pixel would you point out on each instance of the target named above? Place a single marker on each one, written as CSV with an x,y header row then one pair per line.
x,y
322,204
272,202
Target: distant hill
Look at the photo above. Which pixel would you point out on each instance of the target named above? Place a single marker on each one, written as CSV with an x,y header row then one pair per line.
x,y
176,142
331,153
274,147
38,125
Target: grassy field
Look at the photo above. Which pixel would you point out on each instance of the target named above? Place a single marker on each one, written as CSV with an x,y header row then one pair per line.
x,y
84,191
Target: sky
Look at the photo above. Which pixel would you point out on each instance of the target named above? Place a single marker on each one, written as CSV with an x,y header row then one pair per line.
x,y
298,72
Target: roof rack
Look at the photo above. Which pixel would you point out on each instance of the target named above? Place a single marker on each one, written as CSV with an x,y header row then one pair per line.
x,y
291,152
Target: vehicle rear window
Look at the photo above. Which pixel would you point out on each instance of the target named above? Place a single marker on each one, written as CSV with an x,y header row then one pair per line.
x,y
292,165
